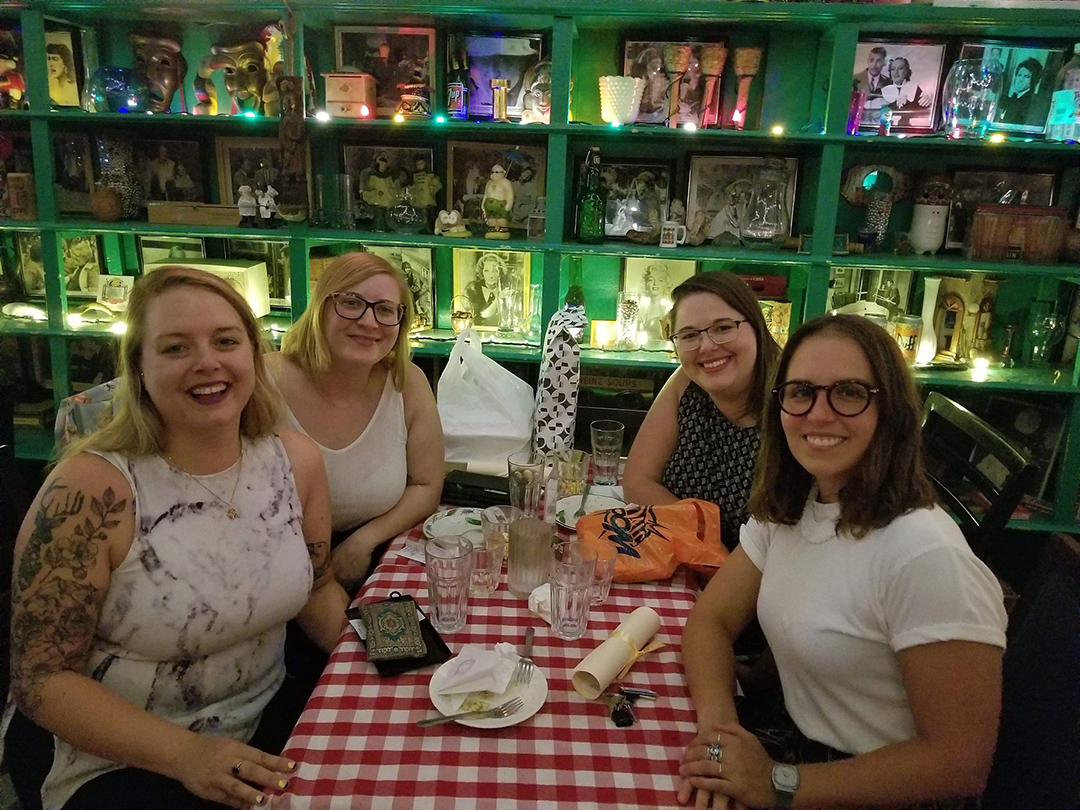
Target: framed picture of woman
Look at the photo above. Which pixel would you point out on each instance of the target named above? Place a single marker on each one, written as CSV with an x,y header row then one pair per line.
x,y
64,84
1027,82
496,282
903,76
652,280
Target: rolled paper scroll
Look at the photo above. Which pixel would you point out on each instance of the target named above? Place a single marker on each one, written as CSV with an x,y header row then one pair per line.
x,y
747,62
713,58
614,657
676,60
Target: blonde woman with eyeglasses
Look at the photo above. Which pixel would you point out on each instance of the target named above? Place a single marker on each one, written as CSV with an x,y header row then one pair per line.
x,y
347,380
700,438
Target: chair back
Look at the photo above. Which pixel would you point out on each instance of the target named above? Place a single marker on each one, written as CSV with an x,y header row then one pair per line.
x,y
979,476
1037,761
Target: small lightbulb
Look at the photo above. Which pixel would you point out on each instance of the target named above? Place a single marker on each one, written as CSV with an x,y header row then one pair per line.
x,y
322,116
900,136
981,363
997,137
399,118
615,124
778,130
250,114
74,320
690,126
365,110
440,119
118,328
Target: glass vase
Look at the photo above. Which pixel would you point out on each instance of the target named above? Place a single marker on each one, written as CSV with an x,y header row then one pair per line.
x,y
971,95
765,221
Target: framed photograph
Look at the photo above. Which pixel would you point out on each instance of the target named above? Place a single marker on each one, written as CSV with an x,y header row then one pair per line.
x,y
469,167
496,282
1027,75
82,264
65,75
971,189
157,249
275,254
722,187
903,75
1032,428
91,361
645,60
652,280
492,56
416,265
399,162
254,162
114,291
74,171
638,195
170,170
392,55
19,160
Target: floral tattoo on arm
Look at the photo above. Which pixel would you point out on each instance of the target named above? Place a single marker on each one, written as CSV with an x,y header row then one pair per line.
x,y
55,602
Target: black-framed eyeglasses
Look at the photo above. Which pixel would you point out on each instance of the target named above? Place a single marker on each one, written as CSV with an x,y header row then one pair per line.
x,y
721,332
352,307
845,397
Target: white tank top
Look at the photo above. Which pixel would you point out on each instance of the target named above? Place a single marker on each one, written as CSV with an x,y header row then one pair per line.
x,y
193,623
368,477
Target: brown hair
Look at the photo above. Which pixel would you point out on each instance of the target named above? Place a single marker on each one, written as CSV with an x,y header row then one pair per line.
x,y
737,294
889,480
305,342
135,427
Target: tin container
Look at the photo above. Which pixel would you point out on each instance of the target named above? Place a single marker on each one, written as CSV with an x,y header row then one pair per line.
x,y
908,331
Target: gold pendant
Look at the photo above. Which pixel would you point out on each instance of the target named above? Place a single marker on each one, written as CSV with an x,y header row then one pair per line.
x,y
232,514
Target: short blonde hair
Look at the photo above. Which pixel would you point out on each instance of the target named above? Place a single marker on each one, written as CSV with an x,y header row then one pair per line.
x,y
135,428
305,343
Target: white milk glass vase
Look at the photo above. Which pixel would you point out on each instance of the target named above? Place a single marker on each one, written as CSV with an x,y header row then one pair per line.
x,y
928,339
927,233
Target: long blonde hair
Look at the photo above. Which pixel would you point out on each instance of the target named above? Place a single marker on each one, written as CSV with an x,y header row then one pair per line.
x,y
135,428
305,343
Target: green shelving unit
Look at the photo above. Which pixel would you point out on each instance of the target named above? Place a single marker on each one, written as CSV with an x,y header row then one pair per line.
x,y
802,89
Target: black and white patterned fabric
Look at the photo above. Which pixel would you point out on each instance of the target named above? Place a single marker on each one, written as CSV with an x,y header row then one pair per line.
x,y
713,460
557,391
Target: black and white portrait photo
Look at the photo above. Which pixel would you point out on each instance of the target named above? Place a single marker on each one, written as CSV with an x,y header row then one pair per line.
x,y
904,77
645,60
74,171
652,280
1027,83
498,57
254,162
394,56
170,170
722,189
496,282
471,166
415,264
637,195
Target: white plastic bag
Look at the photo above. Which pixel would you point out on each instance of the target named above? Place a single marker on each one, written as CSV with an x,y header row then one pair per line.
x,y
486,411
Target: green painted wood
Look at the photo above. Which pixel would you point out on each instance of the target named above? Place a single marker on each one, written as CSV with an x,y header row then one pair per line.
x,y
298,276
844,38
34,444
1066,503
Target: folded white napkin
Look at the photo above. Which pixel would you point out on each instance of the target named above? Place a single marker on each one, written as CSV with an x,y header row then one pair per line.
x,y
540,602
478,669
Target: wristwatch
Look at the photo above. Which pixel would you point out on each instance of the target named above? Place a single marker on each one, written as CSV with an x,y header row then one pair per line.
x,y
785,781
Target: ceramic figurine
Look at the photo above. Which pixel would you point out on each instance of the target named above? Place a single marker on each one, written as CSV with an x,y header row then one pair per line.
x,y
497,203
249,207
12,82
268,208
292,136
245,78
537,96
159,60
415,94
380,189
450,223
424,189
273,42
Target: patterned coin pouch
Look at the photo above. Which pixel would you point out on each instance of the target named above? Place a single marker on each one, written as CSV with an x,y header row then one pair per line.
x,y
393,630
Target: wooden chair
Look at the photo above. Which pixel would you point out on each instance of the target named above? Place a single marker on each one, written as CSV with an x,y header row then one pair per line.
x,y
979,476
1037,762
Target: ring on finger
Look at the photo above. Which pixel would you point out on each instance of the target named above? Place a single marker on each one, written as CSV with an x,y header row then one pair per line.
x,y
715,752
236,767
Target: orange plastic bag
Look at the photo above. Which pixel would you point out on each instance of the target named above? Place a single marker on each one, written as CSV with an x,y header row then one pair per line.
x,y
652,541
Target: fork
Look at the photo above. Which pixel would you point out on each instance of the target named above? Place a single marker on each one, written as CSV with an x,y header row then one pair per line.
x,y
584,497
502,710
523,672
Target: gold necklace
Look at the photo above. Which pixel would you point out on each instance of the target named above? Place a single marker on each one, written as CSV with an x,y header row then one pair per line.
x,y
231,512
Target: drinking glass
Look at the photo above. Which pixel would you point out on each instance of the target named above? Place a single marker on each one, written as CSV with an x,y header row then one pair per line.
x,y
605,570
572,467
495,522
448,561
487,561
573,565
607,435
530,556
527,478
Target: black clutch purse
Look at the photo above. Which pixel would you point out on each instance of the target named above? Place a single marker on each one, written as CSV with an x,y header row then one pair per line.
x,y
398,636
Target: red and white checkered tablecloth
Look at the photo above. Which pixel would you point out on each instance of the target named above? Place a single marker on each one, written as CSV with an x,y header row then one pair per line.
x,y
358,745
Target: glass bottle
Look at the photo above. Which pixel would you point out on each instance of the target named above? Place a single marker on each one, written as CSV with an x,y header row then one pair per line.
x,y
590,224
575,290
457,86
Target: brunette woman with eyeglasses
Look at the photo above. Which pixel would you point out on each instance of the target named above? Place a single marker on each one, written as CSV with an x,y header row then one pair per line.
x,y
700,438
886,629
347,380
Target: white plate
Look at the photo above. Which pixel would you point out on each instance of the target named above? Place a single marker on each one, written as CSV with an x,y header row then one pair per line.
x,y
534,696
451,522
565,507
28,312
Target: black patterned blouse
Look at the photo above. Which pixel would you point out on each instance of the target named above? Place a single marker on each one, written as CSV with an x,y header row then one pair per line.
x,y
713,460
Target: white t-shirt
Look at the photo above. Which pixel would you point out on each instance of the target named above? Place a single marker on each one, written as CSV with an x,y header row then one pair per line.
x,y
835,610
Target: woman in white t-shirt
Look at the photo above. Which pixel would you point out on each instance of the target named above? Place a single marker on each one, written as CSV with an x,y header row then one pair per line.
x,y
887,630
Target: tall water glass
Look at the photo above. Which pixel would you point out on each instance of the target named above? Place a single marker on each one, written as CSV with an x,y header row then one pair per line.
x,y
448,561
572,567
606,558
607,435
495,522
527,478
530,556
